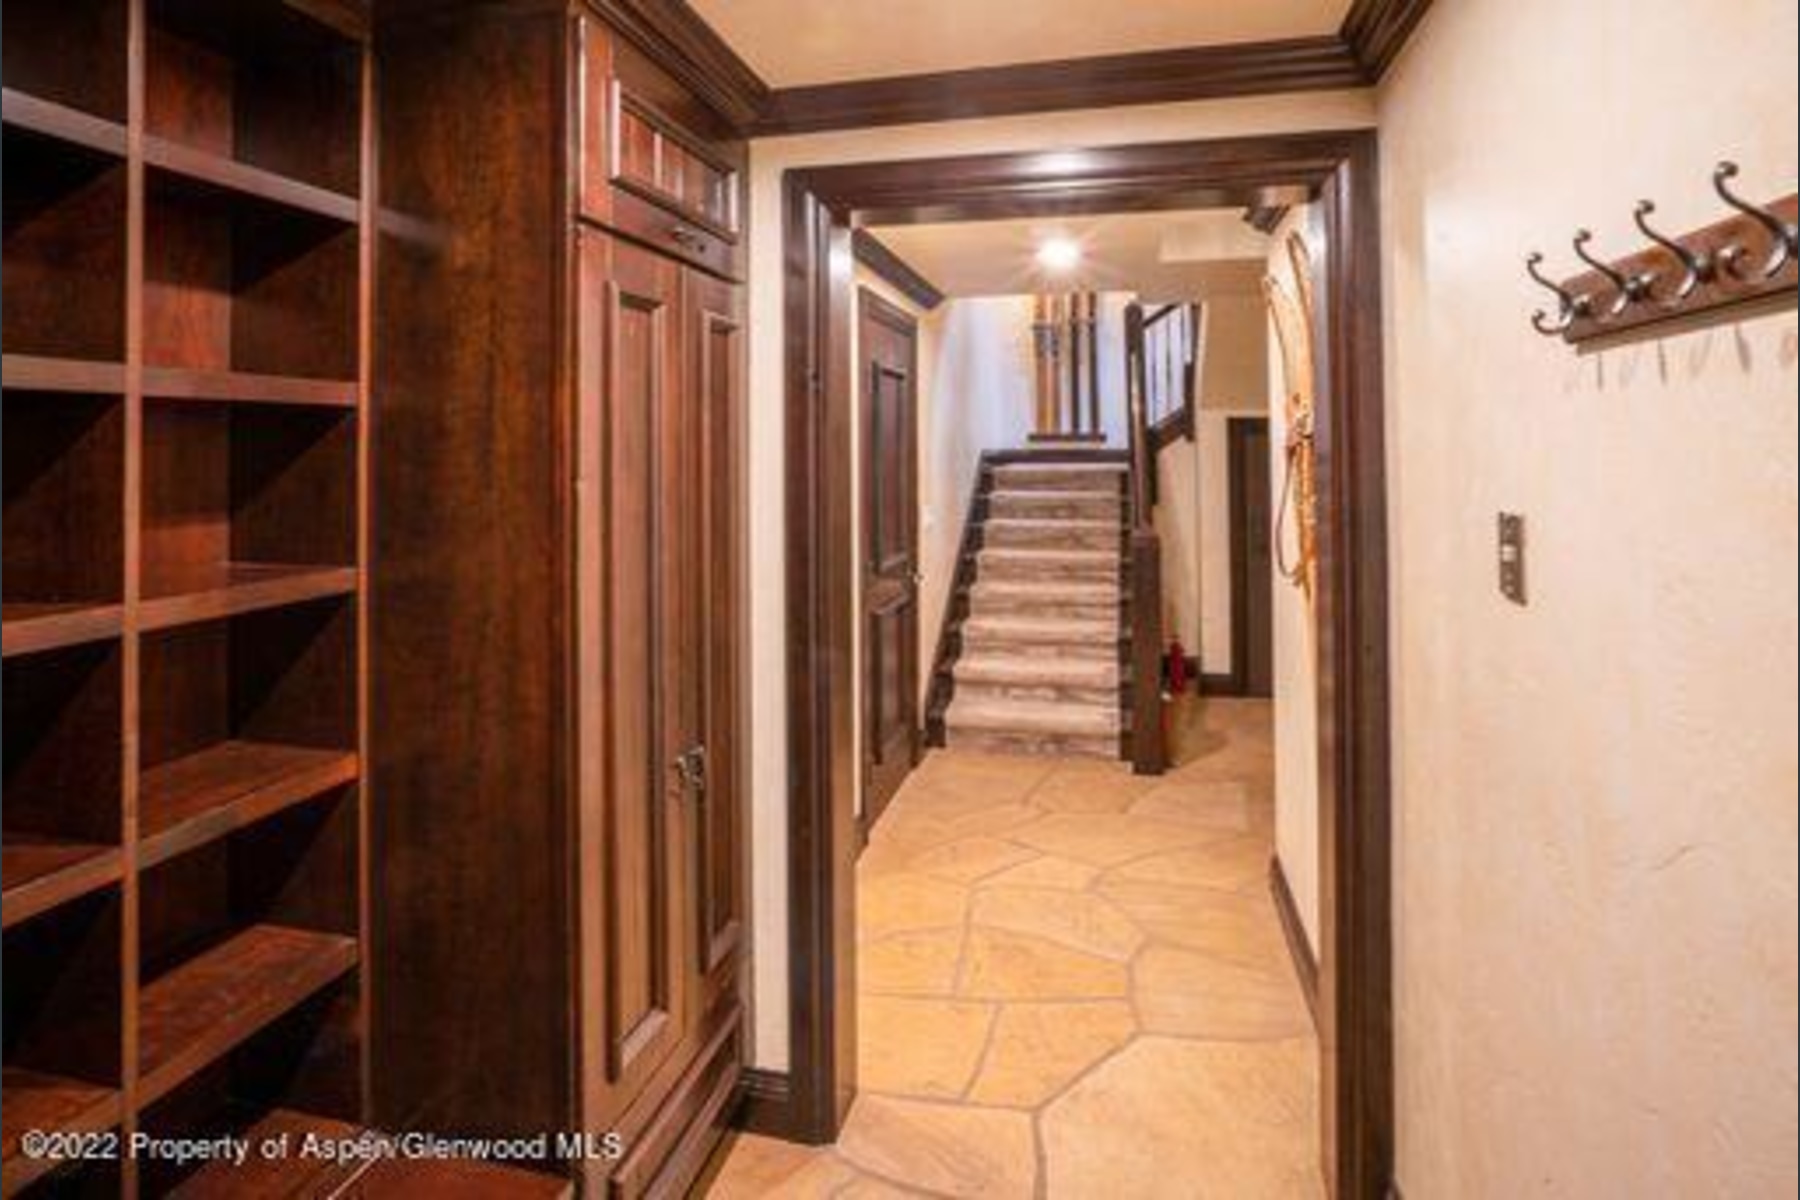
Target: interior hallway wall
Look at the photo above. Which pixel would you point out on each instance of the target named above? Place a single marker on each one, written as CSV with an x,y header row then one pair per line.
x,y
769,159
1597,796
1296,645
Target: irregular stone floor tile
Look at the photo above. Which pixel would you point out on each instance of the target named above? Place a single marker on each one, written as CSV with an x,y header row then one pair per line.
x,y
1166,1118
1049,871
920,1047
952,1150
1202,996
1039,1049
1082,922
999,965
1108,839
921,963
971,859
890,904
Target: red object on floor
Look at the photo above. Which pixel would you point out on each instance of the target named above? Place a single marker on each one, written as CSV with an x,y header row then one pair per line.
x,y
1177,670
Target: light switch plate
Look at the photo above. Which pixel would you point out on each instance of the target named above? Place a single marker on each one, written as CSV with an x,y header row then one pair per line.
x,y
1512,557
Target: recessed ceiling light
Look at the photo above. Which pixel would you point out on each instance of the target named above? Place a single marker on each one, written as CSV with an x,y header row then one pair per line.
x,y
1059,254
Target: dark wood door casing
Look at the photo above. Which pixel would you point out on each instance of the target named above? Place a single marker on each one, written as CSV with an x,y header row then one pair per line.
x,y
1337,169
888,369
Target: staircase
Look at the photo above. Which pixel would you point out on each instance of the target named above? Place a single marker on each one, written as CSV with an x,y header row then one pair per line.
x,y
1034,652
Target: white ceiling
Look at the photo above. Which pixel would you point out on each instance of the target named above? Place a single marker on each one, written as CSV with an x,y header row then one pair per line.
x,y
1162,256
794,42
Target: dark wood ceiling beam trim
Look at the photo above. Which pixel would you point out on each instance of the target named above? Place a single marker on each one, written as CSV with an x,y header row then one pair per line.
x,y
1154,77
878,257
1376,30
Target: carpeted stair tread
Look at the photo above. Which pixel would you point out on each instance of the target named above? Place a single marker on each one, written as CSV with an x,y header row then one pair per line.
x,y
1033,717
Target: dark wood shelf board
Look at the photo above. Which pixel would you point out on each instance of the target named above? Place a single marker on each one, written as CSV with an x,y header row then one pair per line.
x,y
242,387
199,1011
34,373
31,628
291,1174
456,1179
46,118
43,872
241,179
194,800
34,1100
215,591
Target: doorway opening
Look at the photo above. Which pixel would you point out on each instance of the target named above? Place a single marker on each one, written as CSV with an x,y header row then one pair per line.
x,y
822,208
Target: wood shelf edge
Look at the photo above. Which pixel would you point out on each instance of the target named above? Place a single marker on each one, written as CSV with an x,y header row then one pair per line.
x,y
58,627
298,585
309,775
245,387
295,965
47,118
243,179
41,373
87,1108
100,867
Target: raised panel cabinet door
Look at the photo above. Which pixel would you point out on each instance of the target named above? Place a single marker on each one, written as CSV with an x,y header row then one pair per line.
x,y
716,357
637,645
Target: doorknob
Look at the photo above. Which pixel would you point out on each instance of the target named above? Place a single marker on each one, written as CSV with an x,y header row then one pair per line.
x,y
690,764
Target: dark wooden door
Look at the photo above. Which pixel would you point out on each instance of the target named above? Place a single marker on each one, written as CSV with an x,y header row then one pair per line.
x,y
639,691
1252,563
888,368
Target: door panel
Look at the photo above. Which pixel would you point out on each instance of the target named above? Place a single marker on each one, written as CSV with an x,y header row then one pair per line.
x,y
636,546
887,341
716,356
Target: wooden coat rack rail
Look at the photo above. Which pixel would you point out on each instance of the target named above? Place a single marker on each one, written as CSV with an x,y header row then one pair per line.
x,y
1750,256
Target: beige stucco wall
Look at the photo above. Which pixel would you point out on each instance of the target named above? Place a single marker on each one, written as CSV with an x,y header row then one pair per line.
x,y
1296,645
769,159
1596,833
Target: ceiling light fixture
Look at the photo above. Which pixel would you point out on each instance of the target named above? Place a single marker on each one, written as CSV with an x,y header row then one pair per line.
x,y
1059,255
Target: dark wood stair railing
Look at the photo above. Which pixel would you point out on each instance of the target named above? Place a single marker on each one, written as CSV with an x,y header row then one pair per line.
x,y
1145,738
1172,362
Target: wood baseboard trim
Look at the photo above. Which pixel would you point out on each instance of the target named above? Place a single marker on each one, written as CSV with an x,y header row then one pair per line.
x,y
767,1104
1305,965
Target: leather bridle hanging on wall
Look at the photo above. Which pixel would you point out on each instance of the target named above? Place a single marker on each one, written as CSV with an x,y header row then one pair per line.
x,y
1293,316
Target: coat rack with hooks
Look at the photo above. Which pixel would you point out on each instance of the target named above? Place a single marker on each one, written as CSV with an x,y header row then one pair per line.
x,y
1748,256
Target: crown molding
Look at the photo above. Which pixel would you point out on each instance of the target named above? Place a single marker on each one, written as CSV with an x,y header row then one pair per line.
x,y
692,50
1377,30
1107,81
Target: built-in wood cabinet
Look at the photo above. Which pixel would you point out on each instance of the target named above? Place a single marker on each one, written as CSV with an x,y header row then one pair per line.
x,y
558,711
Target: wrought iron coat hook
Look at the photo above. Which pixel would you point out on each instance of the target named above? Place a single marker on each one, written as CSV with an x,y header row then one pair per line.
x,y
1785,237
1631,288
1568,306
1697,268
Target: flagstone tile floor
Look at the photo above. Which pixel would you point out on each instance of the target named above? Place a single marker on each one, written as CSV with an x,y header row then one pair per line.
x,y
1072,982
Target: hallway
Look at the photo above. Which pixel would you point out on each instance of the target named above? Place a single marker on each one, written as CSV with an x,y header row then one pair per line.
x,y
1073,983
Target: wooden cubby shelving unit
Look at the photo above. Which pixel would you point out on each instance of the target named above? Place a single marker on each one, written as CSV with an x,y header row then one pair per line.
x,y
187,263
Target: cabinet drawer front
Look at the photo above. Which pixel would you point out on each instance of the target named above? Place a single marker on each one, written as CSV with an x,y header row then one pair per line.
x,y
656,164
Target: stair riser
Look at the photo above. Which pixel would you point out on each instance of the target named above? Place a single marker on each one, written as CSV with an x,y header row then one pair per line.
x,y
1050,537
997,644
1005,571
1025,506
1056,692
1063,745
1030,480
988,605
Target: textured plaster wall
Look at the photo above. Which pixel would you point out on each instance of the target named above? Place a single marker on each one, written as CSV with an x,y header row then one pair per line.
x,y
1596,834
